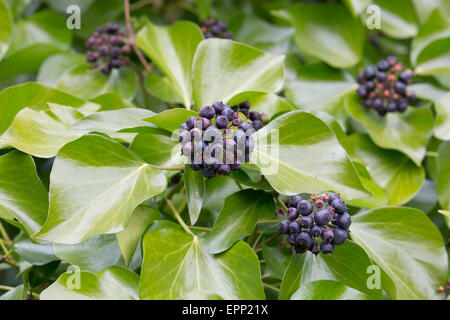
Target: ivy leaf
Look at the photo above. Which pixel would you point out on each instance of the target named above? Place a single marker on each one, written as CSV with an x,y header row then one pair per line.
x,y
18,293
96,184
238,218
318,86
307,268
114,283
443,183
406,132
392,170
161,87
26,53
398,18
270,104
22,194
442,124
129,238
425,8
357,6
177,266
403,242
5,28
194,184
171,119
276,259
35,253
327,31
280,153
94,254
233,72
56,65
429,50
328,290
172,49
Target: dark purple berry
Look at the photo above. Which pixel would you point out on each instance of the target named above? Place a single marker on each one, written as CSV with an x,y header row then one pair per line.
x,y
115,52
218,107
340,236
383,65
207,112
224,170
292,214
208,172
400,88
221,122
228,113
327,235
294,227
305,207
326,247
344,220
295,200
255,115
304,240
257,124
339,206
316,230
332,197
283,227
369,73
322,217
116,63
196,167
190,122
306,222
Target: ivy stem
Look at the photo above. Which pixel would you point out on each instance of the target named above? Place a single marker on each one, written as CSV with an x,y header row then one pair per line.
x,y
258,247
168,168
268,286
140,4
251,238
132,38
4,233
200,228
280,203
239,185
178,217
431,154
257,240
8,288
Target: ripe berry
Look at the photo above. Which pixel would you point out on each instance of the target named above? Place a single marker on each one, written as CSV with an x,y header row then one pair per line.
x,y
115,52
207,112
344,220
383,65
340,236
185,137
327,235
218,107
221,122
196,167
339,206
369,73
316,230
116,63
283,227
255,115
315,249
190,122
306,222
332,197
245,126
224,170
208,172
257,124
296,200
326,247
292,214
305,207
304,240
400,87
292,239
322,217
294,227
228,113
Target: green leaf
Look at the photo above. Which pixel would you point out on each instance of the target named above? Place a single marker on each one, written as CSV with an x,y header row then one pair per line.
x,y
177,266
407,246
270,104
276,259
35,96
425,8
443,183
114,283
35,253
18,293
429,50
442,124
22,194
348,264
398,18
171,119
82,82
393,171
5,28
34,39
158,150
204,8
318,86
260,34
94,254
232,72
172,49
161,87
357,6
96,184
280,152
327,31
129,238
238,218
56,65
328,290
194,183
407,132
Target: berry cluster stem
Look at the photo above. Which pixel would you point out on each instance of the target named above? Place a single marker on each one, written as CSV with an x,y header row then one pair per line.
x,y
178,217
131,36
280,203
4,233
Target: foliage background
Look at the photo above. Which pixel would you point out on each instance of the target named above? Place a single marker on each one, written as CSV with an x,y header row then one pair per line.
x,y
67,135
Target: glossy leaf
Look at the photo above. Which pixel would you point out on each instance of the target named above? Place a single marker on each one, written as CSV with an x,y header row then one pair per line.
x,y
276,259
327,31
194,183
18,293
393,171
172,49
398,18
406,132
407,246
238,218
177,266
328,290
35,38
129,238
357,6
171,119
56,65
5,28
270,104
348,264
283,162
442,124
114,283
96,184
22,194
443,183
232,72
35,253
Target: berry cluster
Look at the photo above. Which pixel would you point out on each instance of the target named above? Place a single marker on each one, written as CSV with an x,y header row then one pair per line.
x,y
256,117
325,216
385,89
109,48
216,29
219,141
